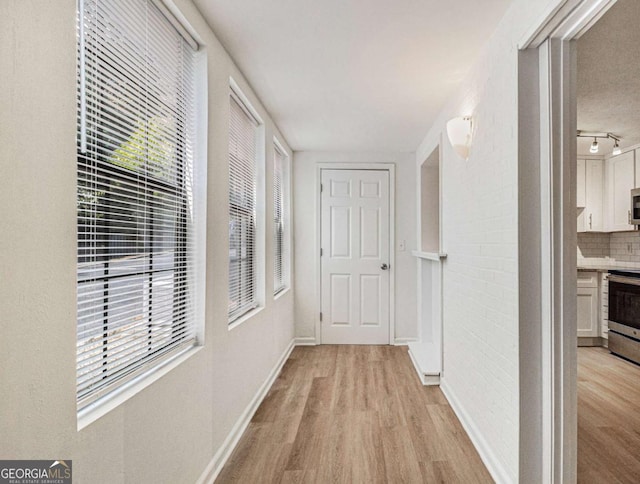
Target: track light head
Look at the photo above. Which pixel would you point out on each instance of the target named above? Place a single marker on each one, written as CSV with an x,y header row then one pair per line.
x,y
616,148
594,146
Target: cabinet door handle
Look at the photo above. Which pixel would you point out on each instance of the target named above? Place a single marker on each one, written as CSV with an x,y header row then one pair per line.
x,y
629,213
590,220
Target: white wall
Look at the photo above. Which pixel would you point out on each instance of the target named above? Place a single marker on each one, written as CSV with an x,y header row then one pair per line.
x,y
170,431
307,278
480,236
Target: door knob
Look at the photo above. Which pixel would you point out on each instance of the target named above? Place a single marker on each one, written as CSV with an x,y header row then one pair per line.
x,y
384,267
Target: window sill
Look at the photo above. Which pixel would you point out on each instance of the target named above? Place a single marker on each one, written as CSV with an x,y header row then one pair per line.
x,y
245,317
118,396
281,293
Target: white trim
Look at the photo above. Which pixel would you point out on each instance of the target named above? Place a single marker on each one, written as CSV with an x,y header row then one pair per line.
x,y
281,293
490,460
179,22
435,256
391,168
404,341
244,101
426,378
565,19
224,452
200,173
305,341
550,39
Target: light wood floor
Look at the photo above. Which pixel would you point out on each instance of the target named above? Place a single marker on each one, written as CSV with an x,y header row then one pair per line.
x,y
353,414
608,418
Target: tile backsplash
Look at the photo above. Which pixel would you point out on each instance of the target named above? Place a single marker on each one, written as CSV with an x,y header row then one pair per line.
x,y
593,244
620,246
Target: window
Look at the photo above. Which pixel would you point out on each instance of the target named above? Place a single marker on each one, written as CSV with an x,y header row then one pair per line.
x,y
280,192
135,166
243,152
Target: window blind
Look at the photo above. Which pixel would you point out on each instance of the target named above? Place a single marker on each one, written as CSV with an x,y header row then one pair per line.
x,y
136,116
279,228
243,138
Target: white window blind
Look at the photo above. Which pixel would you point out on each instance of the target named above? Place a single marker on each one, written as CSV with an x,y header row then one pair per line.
x,y
243,138
136,116
279,227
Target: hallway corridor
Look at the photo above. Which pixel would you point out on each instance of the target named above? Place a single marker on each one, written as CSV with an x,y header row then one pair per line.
x,y
353,414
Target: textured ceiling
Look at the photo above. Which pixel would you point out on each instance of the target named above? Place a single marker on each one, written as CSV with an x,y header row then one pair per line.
x,y
353,75
609,77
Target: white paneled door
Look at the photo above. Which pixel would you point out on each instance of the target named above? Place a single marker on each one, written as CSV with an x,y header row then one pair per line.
x,y
355,256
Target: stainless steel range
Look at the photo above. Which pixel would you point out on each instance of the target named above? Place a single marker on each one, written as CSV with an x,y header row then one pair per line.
x,y
624,314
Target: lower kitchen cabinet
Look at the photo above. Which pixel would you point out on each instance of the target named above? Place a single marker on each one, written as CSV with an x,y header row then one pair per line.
x,y
588,305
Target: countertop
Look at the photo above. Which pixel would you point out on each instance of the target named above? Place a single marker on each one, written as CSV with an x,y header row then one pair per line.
x,y
604,264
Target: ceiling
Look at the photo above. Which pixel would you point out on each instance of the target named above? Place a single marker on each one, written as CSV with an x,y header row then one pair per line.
x,y
353,75
609,77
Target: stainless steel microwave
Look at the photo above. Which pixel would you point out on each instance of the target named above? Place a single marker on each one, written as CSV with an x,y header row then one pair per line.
x,y
634,213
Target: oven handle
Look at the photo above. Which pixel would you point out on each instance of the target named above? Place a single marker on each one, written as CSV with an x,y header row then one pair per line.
x,y
624,280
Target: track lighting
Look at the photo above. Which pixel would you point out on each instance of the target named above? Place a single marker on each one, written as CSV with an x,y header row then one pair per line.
x,y
595,147
616,149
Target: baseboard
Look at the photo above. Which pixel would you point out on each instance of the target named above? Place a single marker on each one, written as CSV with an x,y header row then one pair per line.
x,y
224,452
494,466
305,341
404,341
590,341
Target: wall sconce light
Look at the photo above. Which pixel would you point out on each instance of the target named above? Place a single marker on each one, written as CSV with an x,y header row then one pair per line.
x,y
459,131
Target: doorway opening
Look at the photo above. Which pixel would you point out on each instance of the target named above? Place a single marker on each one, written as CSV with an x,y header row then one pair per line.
x,y
558,304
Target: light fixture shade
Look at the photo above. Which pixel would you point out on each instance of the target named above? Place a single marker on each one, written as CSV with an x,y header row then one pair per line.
x,y
459,131
594,146
616,149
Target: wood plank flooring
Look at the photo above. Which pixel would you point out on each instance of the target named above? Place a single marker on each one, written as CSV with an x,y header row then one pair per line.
x,y
608,418
353,414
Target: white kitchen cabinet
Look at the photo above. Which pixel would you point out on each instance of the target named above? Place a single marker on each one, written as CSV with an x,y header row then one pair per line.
x,y
590,219
588,307
621,180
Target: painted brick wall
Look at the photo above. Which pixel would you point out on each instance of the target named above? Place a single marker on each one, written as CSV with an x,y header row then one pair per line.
x,y
480,236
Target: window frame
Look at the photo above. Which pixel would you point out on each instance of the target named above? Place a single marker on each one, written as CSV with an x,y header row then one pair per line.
x,y
285,263
123,385
235,319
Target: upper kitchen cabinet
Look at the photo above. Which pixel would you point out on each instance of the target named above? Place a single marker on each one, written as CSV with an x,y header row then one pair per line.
x,y
621,179
590,191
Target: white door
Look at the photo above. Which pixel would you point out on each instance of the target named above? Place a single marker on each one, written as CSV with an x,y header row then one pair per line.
x,y
355,257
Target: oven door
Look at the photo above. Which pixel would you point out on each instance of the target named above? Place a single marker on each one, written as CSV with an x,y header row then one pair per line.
x,y
624,300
